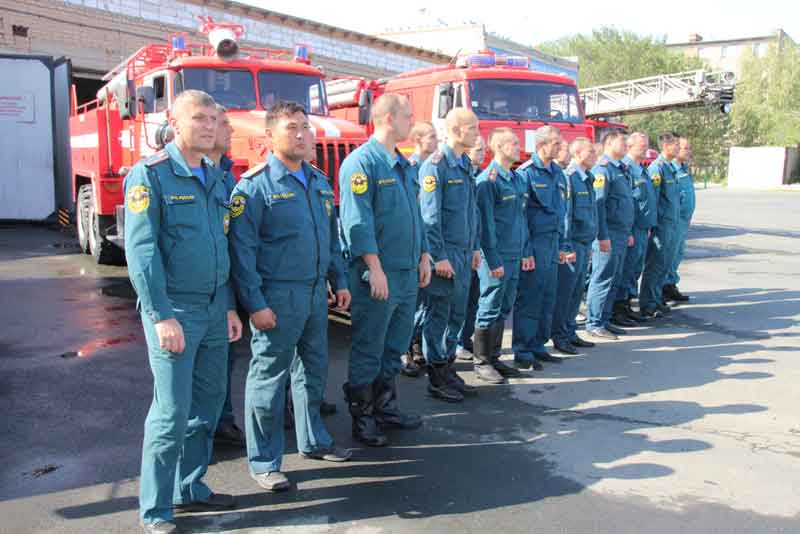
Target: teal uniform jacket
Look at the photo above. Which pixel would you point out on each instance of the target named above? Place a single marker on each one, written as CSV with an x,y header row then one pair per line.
x,y
644,195
502,200
688,197
581,212
665,181
614,199
379,209
277,225
176,240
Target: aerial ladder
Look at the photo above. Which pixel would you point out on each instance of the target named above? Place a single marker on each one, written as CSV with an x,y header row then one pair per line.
x,y
659,93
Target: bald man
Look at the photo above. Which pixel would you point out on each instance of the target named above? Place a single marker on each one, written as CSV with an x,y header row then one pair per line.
x,y
449,213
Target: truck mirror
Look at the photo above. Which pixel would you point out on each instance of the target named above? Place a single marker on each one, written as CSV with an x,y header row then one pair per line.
x,y
147,96
364,106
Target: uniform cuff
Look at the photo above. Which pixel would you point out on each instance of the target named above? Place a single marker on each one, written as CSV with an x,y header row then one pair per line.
x,y
493,259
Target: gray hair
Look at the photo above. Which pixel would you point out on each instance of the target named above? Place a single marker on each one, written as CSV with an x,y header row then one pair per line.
x,y
193,96
635,137
577,145
543,134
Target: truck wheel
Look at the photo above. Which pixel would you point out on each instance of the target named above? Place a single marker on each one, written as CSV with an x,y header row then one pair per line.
x,y
82,222
103,251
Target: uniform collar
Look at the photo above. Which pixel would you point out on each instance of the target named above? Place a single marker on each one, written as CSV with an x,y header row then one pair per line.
x,y
415,158
178,162
615,162
279,171
455,161
225,163
501,172
574,167
376,147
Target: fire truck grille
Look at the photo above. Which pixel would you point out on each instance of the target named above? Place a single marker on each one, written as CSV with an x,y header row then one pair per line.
x,y
330,157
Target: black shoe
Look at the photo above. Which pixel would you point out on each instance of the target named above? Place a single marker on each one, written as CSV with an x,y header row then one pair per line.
x,y
361,405
213,503
329,454
527,365
650,314
601,333
547,357
636,316
160,527
578,342
623,320
457,382
496,335
327,408
439,386
664,309
228,434
565,348
483,359
615,330
387,413
409,367
677,296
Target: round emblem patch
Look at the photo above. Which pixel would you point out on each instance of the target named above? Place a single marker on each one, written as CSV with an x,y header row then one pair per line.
x,y
429,184
237,205
656,179
359,183
138,198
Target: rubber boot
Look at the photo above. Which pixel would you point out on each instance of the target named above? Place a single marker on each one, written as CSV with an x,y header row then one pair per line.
x,y
439,386
361,405
482,357
387,413
497,329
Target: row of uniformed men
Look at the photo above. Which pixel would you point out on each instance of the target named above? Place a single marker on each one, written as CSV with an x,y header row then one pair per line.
x,y
284,253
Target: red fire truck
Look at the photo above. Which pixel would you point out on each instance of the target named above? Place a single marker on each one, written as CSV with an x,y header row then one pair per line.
x,y
128,120
501,90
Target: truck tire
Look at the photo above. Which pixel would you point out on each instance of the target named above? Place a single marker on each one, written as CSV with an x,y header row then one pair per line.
x,y
103,251
82,220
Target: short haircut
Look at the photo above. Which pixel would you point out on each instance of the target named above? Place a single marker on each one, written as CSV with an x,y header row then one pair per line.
x,y
577,145
637,136
193,96
420,130
611,135
458,116
387,104
667,138
281,109
543,134
497,134
221,108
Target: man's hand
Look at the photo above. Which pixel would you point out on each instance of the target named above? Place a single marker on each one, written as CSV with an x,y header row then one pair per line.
x,y
630,241
444,269
378,285
343,299
425,270
605,245
476,260
264,319
170,335
562,257
500,272
234,326
570,257
528,264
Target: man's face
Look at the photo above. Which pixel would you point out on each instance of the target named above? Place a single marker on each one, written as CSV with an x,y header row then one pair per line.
x,y
195,126
616,147
509,147
311,146
586,156
478,152
291,137
402,121
684,151
428,142
671,149
639,148
469,133
563,153
552,146
224,132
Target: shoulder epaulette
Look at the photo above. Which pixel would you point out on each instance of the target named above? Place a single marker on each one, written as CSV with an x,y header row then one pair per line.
x,y
436,157
159,157
249,173
525,165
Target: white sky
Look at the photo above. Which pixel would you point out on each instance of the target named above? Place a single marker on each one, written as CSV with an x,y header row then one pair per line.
x,y
544,21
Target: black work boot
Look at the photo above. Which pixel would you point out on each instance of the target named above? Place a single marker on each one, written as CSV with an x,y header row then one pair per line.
x,y
630,313
497,329
482,357
387,413
457,382
361,405
620,315
439,386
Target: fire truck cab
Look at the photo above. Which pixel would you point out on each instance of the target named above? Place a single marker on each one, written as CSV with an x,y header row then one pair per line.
x,y
129,118
501,90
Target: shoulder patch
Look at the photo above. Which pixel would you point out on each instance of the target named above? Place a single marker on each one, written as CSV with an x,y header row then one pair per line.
x,y
429,183
525,165
436,157
138,198
251,172
656,178
359,183
599,181
238,203
159,157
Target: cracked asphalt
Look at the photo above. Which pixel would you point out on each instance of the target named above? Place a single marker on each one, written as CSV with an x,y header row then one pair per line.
x,y
686,425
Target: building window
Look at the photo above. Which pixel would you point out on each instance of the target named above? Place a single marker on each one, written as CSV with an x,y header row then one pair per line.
x,y
723,52
19,31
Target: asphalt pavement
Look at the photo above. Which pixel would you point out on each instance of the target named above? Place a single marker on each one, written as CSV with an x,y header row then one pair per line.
x,y
689,424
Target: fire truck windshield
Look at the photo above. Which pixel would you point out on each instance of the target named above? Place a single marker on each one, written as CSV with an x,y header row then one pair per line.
x,y
304,89
233,89
524,100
